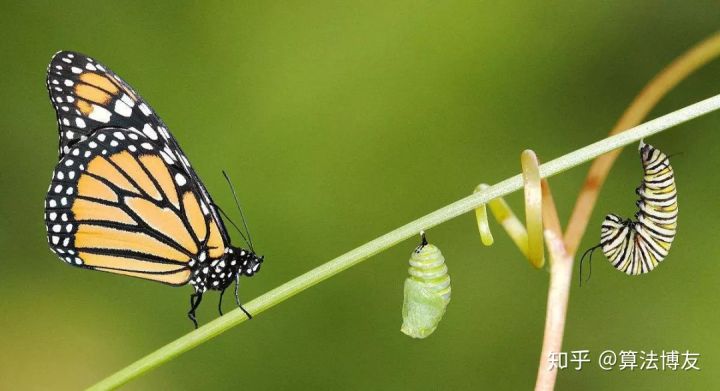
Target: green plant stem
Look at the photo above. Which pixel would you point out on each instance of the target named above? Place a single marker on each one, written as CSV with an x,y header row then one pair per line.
x,y
351,258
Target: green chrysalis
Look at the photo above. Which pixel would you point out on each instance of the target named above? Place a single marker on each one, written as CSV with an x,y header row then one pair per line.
x,y
427,291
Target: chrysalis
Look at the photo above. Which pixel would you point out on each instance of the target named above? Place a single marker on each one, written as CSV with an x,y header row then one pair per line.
x,y
427,291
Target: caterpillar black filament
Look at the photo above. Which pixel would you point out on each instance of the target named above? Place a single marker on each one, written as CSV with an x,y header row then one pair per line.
x,y
638,246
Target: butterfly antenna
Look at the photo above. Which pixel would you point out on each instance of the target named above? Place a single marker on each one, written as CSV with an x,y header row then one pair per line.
x,y
233,224
242,215
589,251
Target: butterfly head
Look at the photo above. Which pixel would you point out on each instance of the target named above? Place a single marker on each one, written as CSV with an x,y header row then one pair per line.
x,y
246,261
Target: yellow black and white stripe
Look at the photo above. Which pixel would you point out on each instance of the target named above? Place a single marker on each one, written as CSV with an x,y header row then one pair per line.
x,y
637,247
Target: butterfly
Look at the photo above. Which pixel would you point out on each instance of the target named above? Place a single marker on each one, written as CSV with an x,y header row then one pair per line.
x,y
124,198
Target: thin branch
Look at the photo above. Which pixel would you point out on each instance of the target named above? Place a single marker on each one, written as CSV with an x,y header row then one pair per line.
x,y
551,220
561,266
655,90
345,261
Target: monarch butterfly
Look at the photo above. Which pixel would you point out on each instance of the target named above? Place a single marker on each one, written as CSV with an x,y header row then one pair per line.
x,y
427,291
123,197
638,246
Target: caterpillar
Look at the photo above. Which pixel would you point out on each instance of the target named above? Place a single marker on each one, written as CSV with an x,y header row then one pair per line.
x,y
427,291
638,246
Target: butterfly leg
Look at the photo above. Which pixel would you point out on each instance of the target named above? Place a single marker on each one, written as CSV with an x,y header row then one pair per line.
x,y
195,300
237,297
222,292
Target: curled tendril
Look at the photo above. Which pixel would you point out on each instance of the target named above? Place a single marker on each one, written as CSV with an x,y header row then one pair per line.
x,y
533,208
482,220
529,240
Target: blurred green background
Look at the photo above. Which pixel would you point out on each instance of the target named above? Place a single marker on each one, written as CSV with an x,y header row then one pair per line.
x,y
338,123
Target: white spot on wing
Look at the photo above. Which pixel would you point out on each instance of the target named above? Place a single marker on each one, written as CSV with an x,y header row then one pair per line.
x,y
167,158
145,110
180,179
127,100
185,160
100,114
164,132
122,108
170,153
150,132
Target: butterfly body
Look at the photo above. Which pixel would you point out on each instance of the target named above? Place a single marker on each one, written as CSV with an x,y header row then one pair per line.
x,y
123,197
218,274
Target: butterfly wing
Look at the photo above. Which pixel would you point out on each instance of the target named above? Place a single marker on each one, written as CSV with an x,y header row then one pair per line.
x,y
116,204
88,96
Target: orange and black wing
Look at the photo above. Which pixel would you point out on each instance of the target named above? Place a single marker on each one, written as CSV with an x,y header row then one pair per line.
x,y
88,96
117,204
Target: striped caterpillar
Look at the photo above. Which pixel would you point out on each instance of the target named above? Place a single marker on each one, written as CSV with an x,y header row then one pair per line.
x,y
638,246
